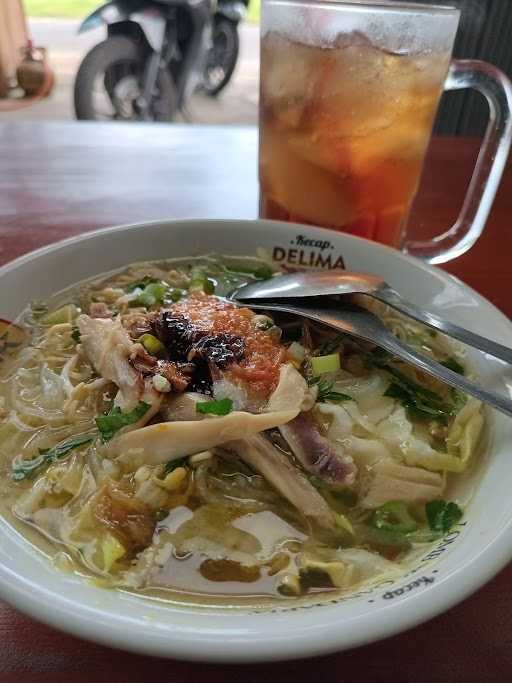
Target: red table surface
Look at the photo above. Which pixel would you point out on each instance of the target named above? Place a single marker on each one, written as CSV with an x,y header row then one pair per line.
x,y
62,179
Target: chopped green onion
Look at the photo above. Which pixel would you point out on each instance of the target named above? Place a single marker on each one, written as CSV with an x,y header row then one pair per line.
x,y
64,314
200,282
442,515
151,344
152,294
221,407
209,286
75,335
174,295
395,517
323,364
21,469
114,420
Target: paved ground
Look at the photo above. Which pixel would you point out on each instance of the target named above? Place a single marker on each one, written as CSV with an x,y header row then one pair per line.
x,y
237,104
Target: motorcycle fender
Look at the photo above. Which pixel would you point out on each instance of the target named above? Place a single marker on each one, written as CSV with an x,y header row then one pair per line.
x,y
110,13
235,11
152,22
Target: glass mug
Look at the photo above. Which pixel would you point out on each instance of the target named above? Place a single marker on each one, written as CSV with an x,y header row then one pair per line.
x,y
348,96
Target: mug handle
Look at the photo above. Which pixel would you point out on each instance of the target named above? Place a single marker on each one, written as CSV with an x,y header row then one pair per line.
x,y
497,89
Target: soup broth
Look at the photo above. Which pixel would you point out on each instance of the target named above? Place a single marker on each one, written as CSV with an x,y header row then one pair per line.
x,y
163,440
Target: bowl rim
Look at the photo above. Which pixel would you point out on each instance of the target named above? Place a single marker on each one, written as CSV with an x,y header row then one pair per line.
x,y
79,619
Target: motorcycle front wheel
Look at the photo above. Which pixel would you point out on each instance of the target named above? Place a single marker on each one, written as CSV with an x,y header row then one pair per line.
x,y
222,57
108,85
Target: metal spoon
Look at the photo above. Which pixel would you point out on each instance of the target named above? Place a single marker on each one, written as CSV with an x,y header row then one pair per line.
x,y
361,323
314,283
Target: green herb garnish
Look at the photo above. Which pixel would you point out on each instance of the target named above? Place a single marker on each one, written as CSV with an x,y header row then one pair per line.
x,y
221,407
416,406
326,392
114,420
419,401
442,515
75,335
21,469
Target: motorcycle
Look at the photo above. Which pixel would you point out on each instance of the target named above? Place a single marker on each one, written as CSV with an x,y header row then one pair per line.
x,y
156,54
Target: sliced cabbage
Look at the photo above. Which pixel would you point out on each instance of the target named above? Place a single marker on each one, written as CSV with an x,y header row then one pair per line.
x,y
340,422
388,481
396,430
112,550
347,567
465,431
366,390
365,452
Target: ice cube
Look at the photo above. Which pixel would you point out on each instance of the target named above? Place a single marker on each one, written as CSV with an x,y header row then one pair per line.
x,y
288,76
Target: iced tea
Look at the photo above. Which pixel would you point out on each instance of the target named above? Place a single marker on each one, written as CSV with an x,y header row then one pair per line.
x,y
343,132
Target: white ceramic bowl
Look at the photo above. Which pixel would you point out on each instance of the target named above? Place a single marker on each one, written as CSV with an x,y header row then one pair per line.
x,y
469,556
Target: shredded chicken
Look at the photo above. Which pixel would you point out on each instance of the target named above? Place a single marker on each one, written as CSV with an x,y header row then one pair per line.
x,y
178,375
316,453
99,309
265,458
109,348
166,441
291,390
136,324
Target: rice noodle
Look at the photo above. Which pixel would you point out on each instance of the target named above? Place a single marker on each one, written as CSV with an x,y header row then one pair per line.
x,y
52,393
